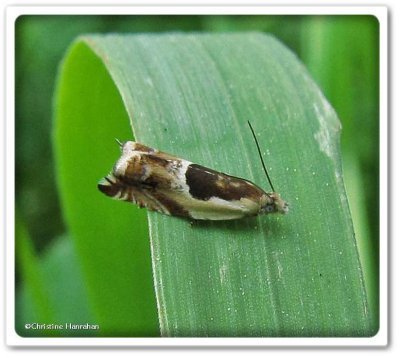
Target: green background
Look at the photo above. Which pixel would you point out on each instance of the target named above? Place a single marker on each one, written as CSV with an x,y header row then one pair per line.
x,y
341,54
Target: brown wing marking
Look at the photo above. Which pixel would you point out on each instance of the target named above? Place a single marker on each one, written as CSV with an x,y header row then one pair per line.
x,y
168,202
117,189
205,183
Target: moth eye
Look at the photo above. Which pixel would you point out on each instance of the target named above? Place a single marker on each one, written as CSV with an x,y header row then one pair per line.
x,y
269,208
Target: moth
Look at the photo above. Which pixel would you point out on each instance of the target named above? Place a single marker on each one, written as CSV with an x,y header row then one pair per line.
x,y
170,185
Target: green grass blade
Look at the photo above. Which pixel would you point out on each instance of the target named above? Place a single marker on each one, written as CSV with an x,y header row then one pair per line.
x,y
111,240
64,295
191,95
36,287
341,51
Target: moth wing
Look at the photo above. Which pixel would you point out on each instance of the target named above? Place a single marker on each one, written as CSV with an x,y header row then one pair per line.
x,y
219,209
139,147
166,156
183,204
113,187
144,199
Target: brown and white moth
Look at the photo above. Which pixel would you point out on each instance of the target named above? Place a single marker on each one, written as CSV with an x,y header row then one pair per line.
x,y
173,186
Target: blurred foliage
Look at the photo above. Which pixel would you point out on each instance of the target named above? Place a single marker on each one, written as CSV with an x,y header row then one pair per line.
x,y
341,52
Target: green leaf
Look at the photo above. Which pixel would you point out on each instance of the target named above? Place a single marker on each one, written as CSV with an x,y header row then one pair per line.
x,y
33,276
64,295
191,95
348,50
111,240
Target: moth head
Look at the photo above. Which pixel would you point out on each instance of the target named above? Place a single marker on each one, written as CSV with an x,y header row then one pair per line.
x,y
275,204
127,147
109,186
127,158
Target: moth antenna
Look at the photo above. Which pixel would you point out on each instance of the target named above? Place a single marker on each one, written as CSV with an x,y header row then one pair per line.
x,y
261,158
119,142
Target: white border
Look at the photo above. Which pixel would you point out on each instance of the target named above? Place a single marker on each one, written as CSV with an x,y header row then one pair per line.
x,y
12,12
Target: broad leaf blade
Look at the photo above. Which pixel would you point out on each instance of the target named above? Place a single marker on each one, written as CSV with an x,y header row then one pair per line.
x,y
110,238
191,95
